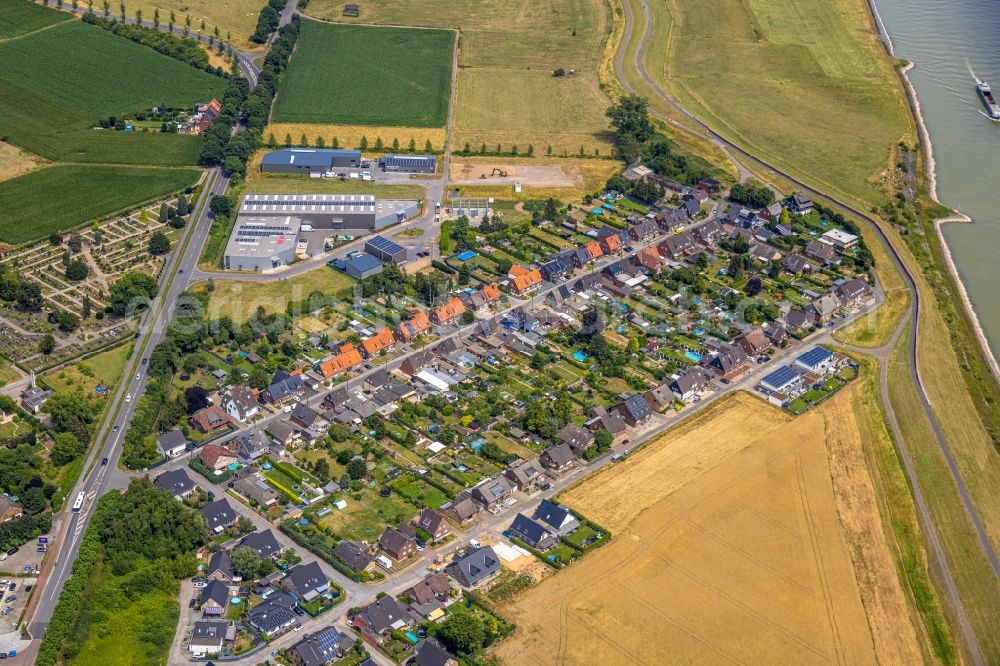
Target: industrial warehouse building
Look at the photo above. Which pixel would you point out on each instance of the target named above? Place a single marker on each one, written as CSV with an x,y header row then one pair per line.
x,y
358,265
337,212
310,160
261,243
385,250
409,163
267,226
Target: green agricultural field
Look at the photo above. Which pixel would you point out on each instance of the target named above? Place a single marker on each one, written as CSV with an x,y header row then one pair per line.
x,y
802,83
18,17
93,71
59,198
367,76
508,53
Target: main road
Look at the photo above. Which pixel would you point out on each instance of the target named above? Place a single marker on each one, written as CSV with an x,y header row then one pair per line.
x,y
912,320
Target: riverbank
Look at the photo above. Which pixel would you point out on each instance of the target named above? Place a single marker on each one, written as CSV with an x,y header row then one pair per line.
x,y
930,174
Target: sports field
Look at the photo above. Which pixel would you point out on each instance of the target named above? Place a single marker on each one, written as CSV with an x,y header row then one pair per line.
x,y
742,536
61,197
365,75
802,83
508,52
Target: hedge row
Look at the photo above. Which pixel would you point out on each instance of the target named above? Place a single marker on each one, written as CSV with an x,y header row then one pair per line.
x,y
66,611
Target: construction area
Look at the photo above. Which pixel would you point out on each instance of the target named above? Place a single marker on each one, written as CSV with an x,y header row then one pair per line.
x,y
470,173
736,541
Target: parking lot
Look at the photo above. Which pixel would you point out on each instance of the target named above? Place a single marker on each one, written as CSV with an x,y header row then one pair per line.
x,y
13,600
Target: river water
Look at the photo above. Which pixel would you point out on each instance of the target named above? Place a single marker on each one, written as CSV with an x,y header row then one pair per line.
x,y
952,43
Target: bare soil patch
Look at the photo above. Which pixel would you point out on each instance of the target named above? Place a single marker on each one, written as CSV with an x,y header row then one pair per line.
x,y
507,174
13,162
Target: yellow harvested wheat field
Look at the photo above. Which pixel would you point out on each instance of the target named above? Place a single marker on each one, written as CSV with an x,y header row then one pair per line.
x,y
736,541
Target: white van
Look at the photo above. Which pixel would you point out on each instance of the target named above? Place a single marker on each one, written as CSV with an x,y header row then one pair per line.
x,y
384,562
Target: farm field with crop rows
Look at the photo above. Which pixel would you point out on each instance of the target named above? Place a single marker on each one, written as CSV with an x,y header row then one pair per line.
x,y
363,75
18,18
60,197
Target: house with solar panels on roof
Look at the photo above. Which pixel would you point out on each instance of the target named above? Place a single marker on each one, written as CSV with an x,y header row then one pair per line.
x,y
408,164
310,160
781,384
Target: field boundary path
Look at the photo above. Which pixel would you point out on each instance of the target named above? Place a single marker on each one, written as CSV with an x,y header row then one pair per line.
x,y
912,321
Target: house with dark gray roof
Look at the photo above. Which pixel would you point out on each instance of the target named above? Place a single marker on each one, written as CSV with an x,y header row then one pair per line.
x,y
432,653
240,403
558,458
531,533
172,443
306,581
219,515
354,556
320,648
633,409
579,439
474,567
284,387
176,482
462,511
557,518
274,614
525,474
249,446
265,543
214,598
220,567
493,492
381,617
690,383
207,637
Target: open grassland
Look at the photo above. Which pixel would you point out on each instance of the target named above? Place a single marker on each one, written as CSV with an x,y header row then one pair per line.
x,y
349,136
738,540
59,198
977,585
102,369
13,162
19,17
507,54
239,299
368,75
802,83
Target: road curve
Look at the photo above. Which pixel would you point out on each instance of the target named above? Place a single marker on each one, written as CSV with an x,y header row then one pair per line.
x,y
913,321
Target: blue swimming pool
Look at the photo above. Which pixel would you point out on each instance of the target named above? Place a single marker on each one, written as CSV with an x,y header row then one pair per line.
x,y
412,637
580,356
691,355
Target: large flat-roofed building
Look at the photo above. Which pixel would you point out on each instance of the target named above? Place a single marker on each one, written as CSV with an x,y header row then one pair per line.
x,y
310,160
261,243
409,163
385,249
348,212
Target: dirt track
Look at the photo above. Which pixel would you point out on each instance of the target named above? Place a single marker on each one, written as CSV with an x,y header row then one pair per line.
x,y
728,548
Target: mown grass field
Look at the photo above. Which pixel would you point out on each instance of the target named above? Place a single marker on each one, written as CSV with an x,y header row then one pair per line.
x,y
103,369
238,299
349,136
18,18
804,84
507,55
62,197
367,75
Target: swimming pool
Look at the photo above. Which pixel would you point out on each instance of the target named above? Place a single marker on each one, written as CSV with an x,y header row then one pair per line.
x,y
691,355
580,356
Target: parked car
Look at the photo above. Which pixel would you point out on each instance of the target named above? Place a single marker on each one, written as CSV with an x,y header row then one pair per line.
x,y
191,604
7,610
546,486
11,599
12,551
297,627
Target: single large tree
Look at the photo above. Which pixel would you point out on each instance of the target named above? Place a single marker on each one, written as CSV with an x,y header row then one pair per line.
x,y
246,562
